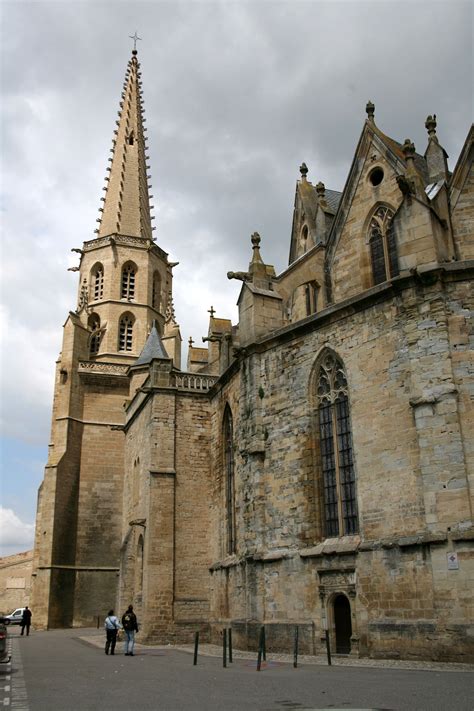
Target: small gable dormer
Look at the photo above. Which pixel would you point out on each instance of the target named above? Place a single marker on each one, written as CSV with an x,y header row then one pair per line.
x,y
314,211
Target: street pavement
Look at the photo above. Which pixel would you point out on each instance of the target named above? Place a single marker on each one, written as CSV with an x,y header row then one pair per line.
x,y
67,670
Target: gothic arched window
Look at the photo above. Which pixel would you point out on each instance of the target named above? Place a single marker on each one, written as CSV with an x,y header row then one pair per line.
x,y
156,291
311,292
125,342
335,446
229,480
128,281
97,281
383,247
94,342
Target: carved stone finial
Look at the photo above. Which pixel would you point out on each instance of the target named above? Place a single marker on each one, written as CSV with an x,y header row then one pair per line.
x,y
303,170
370,110
321,189
430,125
255,239
408,149
190,342
169,313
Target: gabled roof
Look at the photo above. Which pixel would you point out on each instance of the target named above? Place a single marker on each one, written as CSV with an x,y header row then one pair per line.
x,y
152,349
126,208
461,170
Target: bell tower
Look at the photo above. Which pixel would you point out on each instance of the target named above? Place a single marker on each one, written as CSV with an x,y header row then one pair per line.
x,y
125,286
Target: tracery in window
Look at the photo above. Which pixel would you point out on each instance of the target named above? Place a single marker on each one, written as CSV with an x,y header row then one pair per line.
x,y
335,444
95,337
156,291
383,247
97,282
126,333
128,281
229,481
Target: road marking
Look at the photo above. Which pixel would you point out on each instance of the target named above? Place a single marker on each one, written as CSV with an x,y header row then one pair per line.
x,y
19,694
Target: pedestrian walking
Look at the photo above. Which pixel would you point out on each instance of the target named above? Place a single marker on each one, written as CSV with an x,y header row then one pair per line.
x,y
130,626
26,621
112,626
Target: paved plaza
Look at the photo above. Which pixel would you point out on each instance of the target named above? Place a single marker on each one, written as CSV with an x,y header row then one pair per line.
x,y
67,670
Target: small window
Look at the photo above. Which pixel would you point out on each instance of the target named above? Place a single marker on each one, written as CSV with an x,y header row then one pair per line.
x,y
128,281
130,139
126,333
376,176
311,297
304,240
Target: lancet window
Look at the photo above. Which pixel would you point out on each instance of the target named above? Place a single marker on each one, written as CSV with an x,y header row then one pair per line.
x,y
98,282
94,342
126,333
311,297
229,481
383,246
335,448
156,291
128,281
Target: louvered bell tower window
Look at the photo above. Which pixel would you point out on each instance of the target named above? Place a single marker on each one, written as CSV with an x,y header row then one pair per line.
x,y
337,466
128,282
383,247
98,287
94,343
126,333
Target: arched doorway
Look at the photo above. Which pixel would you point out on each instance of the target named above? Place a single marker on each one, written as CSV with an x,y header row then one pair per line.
x,y
342,624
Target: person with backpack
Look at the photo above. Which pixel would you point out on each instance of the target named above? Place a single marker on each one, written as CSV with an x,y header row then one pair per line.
x,y
112,626
130,626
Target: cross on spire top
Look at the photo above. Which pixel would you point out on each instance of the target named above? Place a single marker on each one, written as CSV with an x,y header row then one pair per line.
x,y
135,37
211,311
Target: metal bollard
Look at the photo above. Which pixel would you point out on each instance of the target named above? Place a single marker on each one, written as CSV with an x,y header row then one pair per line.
x,y
230,645
196,645
264,644
295,648
224,648
328,648
260,649
98,621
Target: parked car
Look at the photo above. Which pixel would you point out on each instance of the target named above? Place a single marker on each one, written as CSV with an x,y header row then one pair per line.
x,y
4,656
14,618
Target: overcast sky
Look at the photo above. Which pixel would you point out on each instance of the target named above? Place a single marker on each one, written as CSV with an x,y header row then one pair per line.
x,y
237,95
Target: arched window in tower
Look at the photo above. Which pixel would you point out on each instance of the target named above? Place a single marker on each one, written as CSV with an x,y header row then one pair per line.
x,y
229,481
383,246
335,448
97,282
156,291
311,293
128,281
94,340
126,333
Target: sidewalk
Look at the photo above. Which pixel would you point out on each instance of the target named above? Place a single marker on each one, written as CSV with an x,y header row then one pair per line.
x,y
213,650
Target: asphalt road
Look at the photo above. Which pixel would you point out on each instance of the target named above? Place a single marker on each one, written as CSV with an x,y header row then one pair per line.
x,y
56,671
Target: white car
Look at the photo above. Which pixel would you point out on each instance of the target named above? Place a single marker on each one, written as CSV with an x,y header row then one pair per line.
x,y
14,618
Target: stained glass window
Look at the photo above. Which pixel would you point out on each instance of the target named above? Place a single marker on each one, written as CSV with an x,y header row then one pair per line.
x,y
335,441
229,480
383,246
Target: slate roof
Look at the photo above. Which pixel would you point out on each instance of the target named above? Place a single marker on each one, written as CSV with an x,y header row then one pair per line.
x,y
153,348
333,198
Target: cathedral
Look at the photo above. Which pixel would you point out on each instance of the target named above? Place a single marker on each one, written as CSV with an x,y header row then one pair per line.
x,y
313,464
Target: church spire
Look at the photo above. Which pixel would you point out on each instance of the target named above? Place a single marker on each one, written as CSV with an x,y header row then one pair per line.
x,y
126,208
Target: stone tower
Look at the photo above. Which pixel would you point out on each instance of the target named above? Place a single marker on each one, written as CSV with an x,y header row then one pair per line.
x,y
125,284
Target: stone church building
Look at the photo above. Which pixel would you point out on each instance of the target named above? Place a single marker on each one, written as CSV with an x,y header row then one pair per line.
x,y
313,465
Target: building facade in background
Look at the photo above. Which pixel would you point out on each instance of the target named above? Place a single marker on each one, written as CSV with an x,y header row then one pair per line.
x,y
15,581
313,465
